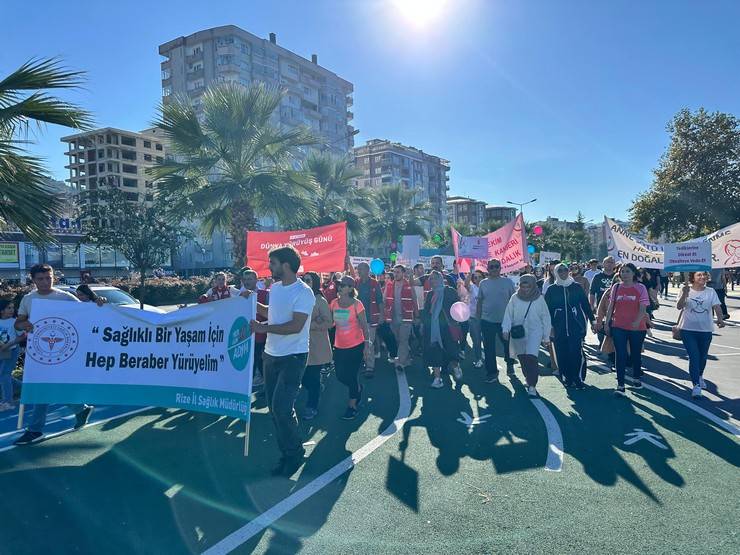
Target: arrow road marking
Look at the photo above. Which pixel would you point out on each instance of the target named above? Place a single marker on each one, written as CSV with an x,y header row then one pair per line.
x,y
639,434
470,421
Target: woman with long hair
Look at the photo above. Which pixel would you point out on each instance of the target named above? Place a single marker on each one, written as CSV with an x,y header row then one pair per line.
x,y
319,348
350,341
626,321
696,303
441,347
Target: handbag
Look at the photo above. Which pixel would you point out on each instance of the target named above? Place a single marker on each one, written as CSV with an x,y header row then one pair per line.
x,y
518,331
676,330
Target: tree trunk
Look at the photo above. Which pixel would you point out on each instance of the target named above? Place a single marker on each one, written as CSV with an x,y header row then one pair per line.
x,y
142,278
242,220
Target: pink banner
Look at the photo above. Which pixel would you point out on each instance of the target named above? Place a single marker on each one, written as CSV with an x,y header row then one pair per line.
x,y
507,244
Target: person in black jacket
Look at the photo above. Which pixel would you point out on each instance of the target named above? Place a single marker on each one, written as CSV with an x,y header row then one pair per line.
x,y
569,310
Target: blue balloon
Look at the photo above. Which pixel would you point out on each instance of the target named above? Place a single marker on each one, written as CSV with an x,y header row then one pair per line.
x,y
377,266
531,249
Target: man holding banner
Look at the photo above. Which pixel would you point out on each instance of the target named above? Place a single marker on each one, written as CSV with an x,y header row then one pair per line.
x,y
42,276
286,351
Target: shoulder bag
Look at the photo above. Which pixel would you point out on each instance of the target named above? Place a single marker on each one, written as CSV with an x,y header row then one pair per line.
x,y
518,331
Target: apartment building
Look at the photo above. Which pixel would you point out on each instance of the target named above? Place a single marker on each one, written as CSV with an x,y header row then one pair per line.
x,y
464,211
383,162
500,213
316,97
114,157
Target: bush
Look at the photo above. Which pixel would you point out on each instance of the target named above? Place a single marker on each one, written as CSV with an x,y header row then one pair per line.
x,y
168,290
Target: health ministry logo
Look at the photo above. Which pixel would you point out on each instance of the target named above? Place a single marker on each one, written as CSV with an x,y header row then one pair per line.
x,y
54,341
240,343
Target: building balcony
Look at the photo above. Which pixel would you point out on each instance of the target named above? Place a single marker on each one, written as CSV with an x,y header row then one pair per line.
x,y
350,115
198,56
191,75
198,91
350,101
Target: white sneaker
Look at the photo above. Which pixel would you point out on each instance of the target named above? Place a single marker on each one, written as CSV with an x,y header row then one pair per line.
x,y
532,392
478,364
696,392
702,383
437,383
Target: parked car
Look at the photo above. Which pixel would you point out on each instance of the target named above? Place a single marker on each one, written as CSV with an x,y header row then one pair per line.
x,y
116,296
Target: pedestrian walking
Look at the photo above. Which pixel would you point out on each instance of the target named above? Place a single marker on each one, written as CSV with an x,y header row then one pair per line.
x,y
526,326
370,294
401,311
441,343
494,293
319,348
718,282
695,325
472,284
10,340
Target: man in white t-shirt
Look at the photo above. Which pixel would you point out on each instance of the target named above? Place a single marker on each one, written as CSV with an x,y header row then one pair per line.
x,y
286,350
42,276
593,269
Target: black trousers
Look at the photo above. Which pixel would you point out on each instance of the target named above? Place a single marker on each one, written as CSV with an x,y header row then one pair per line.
x,y
570,357
490,331
282,381
386,334
347,364
722,294
312,384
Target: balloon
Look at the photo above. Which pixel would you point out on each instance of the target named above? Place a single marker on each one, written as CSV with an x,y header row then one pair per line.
x,y
460,312
394,256
531,249
377,266
537,230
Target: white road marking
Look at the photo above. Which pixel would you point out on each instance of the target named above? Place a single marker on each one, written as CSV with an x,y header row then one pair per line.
x,y
734,430
554,461
249,530
639,434
678,343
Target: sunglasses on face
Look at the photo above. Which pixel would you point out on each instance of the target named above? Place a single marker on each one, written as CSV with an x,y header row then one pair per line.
x,y
494,267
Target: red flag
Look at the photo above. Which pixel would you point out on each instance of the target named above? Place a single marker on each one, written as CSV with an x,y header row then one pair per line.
x,y
322,249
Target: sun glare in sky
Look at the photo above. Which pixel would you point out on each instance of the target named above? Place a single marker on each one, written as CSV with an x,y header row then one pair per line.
x,y
420,13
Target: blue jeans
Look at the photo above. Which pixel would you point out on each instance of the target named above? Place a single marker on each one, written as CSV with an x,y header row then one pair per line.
x,y
635,339
697,347
38,418
6,375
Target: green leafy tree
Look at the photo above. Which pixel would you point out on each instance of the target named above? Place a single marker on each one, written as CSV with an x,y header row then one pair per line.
x,y
337,196
141,231
232,166
696,188
398,214
26,201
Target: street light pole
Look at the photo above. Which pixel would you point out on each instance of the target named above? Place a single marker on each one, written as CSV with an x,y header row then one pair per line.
x,y
521,204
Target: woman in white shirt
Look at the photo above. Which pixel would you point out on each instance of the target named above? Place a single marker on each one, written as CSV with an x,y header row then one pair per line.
x,y
527,309
695,324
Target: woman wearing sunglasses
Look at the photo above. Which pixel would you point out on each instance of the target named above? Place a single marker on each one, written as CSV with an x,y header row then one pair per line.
x,y
350,341
569,310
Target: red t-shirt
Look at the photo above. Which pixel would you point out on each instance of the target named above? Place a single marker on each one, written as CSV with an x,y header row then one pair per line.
x,y
627,301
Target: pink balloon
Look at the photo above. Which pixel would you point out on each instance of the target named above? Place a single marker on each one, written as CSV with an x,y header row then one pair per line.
x,y
460,312
537,230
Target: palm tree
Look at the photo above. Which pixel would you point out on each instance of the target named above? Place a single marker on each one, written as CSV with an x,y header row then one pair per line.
x,y
231,165
26,201
338,198
398,214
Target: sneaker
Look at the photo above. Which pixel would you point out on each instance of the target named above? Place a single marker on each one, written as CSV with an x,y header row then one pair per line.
x,y
532,392
491,379
349,414
377,355
636,384
696,392
702,383
437,383
392,360
457,373
478,364
28,438
309,413
620,391
82,417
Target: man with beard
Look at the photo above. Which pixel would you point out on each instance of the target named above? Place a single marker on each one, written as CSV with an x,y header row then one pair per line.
x,y
286,351
600,284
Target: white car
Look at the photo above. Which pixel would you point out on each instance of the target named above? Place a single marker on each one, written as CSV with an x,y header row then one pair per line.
x,y
115,296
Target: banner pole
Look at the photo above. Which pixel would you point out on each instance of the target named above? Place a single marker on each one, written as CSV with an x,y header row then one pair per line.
x,y
21,410
246,437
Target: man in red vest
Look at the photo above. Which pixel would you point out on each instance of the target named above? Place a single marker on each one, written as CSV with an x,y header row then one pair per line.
x,y
370,294
401,310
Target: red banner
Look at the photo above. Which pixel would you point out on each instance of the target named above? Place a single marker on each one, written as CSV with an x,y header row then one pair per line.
x,y
508,244
322,249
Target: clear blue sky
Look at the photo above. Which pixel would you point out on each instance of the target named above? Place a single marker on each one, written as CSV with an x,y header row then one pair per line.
x,y
565,101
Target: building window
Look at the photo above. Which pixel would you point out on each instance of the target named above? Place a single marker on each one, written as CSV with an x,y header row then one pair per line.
x,y
128,168
166,91
128,141
148,157
128,155
165,73
147,144
32,255
70,256
159,146
128,182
